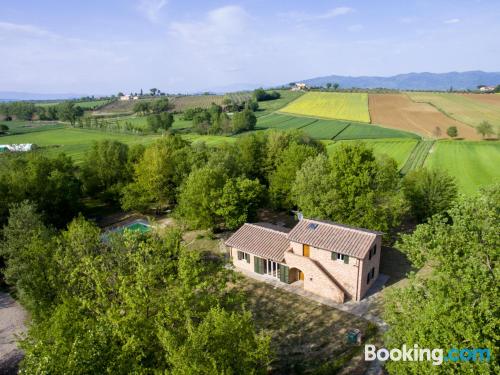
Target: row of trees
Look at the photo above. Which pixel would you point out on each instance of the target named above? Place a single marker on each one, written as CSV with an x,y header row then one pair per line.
x,y
215,121
132,303
65,111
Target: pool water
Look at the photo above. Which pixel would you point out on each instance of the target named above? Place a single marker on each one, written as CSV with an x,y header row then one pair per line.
x,y
138,227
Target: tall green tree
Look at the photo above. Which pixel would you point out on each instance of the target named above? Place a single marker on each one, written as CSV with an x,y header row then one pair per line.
x,y
68,111
353,188
485,129
104,169
456,306
429,192
244,120
158,174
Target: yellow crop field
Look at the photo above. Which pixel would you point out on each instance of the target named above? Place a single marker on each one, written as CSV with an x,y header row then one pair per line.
x,y
342,106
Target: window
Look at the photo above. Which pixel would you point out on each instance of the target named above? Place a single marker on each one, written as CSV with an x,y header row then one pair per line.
x,y
341,257
370,275
373,251
312,226
243,256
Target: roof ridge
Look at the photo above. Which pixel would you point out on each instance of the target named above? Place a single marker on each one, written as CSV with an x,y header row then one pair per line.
x,y
344,226
268,229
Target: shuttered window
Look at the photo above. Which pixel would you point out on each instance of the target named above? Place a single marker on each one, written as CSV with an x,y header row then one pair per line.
x,y
240,255
258,265
346,259
284,272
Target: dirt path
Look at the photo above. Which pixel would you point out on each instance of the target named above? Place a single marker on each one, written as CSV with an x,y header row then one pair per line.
x,y
12,318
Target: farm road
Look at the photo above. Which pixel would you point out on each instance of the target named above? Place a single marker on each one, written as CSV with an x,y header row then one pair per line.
x,y
12,318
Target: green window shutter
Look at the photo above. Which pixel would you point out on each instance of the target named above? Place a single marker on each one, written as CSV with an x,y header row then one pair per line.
x,y
284,273
346,259
258,266
240,255
247,257
334,256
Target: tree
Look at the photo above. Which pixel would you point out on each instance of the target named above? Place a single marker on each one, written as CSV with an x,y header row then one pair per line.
x,y
199,195
353,188
328,85
142,304
437,132
239,201
68,111
244,120
142,107
452,132
261,95
163,120
462,287
3,128
28,252
485,129
335,86
283,177
160,105
104,169
158,174
50,183
153,91
429,192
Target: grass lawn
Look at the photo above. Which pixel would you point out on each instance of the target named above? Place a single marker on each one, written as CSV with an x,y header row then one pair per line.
x,y
21,127
362,131
398,149
210,140
73,142
342,106
305,334
473,164
461,107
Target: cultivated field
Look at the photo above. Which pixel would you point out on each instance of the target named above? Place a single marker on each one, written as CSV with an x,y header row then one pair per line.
x,y
493,99
398,149
463,108
181,103
342,106
399,112
119,107
329,129
269,106
473,164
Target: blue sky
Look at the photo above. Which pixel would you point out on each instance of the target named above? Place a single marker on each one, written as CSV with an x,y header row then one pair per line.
x,y
106,46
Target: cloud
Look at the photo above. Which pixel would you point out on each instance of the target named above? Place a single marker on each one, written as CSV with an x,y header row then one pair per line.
x,y
151,8
355,28
332,13
452,21
25,29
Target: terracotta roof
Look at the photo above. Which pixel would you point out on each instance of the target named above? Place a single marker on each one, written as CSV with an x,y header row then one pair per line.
x,y
264,240
335,237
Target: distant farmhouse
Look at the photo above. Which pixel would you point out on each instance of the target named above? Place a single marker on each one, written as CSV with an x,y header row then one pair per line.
x,y
331,260
129,97
23,147
299,86
487,88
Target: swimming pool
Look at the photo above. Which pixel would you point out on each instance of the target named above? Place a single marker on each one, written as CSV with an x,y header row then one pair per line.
x,y
138,226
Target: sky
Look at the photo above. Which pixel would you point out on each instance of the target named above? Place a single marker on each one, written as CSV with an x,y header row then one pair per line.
x,y
180,46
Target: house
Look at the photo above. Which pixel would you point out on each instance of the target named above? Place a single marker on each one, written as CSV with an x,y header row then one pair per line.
x,y
129,97
487,88
300,87
328,259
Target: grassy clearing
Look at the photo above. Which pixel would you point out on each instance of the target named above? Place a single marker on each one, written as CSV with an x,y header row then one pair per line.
x,y
21,127
398,149
461,107
210,140
73,142
418,156
92,104
270,106
362,131
325,129
473,164
342,106
272,120
305,334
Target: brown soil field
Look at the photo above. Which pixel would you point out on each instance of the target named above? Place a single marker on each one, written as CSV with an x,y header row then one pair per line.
x,y
484,98
399,112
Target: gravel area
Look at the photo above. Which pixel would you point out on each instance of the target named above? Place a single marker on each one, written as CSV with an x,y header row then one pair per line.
x,y
12,318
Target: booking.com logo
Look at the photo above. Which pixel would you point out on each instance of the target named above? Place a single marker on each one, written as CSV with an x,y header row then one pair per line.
x,y
437,356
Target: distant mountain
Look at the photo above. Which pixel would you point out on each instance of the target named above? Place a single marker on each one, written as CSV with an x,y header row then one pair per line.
x,y
414,81
7,96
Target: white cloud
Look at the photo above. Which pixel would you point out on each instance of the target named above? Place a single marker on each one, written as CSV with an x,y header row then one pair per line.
x,y
24,29
332,13
452,21
355,28
151,8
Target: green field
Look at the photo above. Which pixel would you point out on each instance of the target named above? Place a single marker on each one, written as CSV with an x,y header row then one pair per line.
x,y
473,164
418,156
21,127
269,106
73,142
363,131
460,107
91,104
398,149
342,106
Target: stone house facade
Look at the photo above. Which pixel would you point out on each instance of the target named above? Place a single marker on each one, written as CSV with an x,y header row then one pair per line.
x,y
329,259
